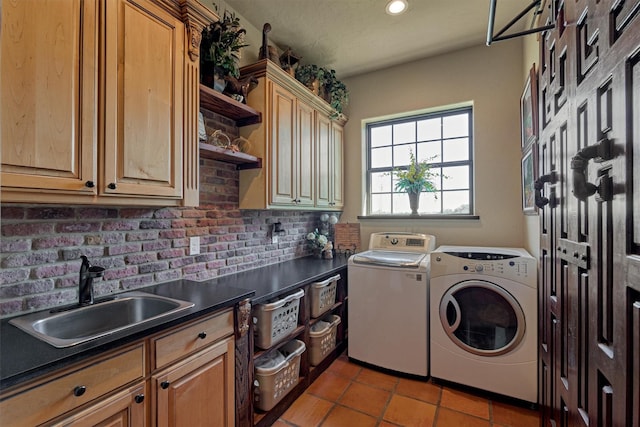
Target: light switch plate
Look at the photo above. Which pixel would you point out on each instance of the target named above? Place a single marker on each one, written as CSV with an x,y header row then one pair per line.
x,y
274,238
194,245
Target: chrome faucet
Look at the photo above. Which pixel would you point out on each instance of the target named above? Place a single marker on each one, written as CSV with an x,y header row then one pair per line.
x,y
88,272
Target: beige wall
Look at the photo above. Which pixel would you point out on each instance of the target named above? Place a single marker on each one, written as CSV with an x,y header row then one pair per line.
x,y
490,78
532,222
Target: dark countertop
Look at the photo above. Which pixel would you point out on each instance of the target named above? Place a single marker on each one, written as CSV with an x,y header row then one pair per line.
x,y
23,357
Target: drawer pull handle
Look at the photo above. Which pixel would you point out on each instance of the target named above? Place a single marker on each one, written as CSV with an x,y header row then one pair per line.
x,y
112,186
165,384
139,398
202,335
79,390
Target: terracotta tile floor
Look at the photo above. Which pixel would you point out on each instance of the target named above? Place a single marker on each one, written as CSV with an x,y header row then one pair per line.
x,y
350,395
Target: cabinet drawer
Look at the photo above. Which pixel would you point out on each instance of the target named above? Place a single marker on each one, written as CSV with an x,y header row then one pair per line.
x,y
63,392
178,343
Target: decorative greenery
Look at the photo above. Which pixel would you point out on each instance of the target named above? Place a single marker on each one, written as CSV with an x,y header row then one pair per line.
x,y
316,240
417,177
221,44
336,90
333,90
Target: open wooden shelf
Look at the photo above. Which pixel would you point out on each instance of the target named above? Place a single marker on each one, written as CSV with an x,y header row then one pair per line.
x,y
222,104
241,160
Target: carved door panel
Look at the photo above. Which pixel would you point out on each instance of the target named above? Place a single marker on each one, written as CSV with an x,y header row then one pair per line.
x,y
590,228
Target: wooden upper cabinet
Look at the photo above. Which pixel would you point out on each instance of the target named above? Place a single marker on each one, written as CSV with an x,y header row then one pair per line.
x,y
297,142
100,101
49,94
143,100
329,164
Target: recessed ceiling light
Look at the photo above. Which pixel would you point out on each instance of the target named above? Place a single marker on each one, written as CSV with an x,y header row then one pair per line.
x,y
396,7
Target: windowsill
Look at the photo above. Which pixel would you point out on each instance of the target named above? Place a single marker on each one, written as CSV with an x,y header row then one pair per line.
x,y
420,217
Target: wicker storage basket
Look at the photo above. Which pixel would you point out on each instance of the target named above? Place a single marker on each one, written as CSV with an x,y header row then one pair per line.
x,y
323,338
276,320
323,295
273,382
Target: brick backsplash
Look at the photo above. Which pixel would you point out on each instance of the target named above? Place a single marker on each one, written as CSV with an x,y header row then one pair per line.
x,y
41,244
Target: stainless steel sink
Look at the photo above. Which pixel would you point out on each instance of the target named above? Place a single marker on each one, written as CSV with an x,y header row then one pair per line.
x,y
82,324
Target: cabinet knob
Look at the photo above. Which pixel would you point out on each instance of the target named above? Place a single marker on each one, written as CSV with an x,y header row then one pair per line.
x,y
165,384
111,186
139,398
79,390
89,184
202,335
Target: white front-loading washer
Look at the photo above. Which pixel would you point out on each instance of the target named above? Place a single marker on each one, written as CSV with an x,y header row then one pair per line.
x,y
388,303
484,317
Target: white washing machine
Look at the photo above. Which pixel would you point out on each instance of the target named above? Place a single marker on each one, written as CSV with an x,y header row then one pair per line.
x,y
484,319
388,290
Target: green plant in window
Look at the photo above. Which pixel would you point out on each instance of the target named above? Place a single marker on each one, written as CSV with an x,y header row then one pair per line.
x,y
417,177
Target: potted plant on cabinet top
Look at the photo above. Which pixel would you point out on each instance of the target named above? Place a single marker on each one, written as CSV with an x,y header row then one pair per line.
x,y
220,51
416,178
324,83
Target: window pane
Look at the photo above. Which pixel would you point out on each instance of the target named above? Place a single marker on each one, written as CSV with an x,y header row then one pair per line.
x,y
428,150
457,177
380,136
444,140
455,202
380,204
401,203
429,129
455,149
429,204
381,157
381,182
453,126
401,154
404,132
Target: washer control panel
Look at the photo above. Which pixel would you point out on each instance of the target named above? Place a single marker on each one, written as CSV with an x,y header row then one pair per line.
x,y
405,242
512,264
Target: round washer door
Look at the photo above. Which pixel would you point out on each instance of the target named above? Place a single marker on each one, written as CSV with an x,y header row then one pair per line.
x,y
482,318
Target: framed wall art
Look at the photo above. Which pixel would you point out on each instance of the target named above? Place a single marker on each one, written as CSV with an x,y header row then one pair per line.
x,y
529,172
529,110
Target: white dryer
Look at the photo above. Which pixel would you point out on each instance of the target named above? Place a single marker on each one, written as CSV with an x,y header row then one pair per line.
x,y
388,310
484,317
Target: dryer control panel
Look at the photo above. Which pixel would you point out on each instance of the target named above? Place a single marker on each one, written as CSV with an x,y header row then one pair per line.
x,y
508,263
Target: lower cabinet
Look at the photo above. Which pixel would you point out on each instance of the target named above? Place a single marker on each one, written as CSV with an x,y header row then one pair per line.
x,y
123,409
180,377
198,391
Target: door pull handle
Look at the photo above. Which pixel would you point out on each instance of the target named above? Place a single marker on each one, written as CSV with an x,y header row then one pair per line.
x,y
582,189
538,185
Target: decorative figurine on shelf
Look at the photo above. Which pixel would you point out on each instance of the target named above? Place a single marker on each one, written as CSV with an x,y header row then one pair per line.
x,y
289,60
267,51
240,87
327,251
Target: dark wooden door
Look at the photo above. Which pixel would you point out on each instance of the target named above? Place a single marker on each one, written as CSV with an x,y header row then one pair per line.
x,y
589,151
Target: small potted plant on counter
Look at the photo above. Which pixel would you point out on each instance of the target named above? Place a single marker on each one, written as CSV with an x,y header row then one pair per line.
x,y
220,51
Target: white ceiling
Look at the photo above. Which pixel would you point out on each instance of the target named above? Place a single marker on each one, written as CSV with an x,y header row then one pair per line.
x,y
357,36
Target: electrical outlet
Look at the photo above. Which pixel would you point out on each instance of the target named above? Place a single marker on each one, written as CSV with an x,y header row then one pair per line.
x,y
194,245
274,238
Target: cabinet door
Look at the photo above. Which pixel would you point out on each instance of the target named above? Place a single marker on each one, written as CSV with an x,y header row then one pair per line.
x,y
283,147
49,95
124,409
144,60
305,155
323,161
198,391
337,147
